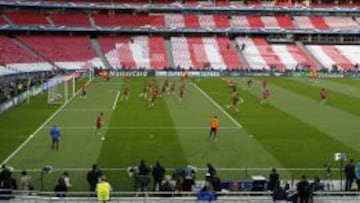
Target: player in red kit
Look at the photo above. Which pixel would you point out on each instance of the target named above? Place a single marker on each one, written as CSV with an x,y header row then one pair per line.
x,y
265,96
172,88
249,83
154,94
83,90
99,123
181,92
323,95
264,85
125,94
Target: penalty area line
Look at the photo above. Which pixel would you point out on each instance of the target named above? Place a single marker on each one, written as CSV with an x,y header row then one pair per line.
x,y
31,136
116,100
217,105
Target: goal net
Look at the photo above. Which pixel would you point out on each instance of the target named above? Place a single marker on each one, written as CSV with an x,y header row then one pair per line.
x,y
61,89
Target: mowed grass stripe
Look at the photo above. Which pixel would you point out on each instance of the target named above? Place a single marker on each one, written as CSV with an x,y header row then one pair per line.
x,y
126,147
335,85
233,146
38,153
354,82
19,122
285,137
335,99
328,131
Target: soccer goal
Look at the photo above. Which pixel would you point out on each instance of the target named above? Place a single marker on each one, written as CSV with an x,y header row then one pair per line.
x,y
61,89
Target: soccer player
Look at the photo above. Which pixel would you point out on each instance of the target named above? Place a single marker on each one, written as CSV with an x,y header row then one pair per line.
x,y
323,95
172,88
144,90
214,124
55,134
181,91
99,123
249,83
265,96
232,84
154,94
83,90
124,94
235,97
264,85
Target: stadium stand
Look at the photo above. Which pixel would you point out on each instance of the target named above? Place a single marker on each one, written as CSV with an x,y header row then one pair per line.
x,y
262,55
332,22
13,53
27,18
343,56
269,22
204,53
70,19
129,20
135,52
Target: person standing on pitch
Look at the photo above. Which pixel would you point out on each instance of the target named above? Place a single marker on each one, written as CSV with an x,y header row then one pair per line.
x,y
214,124
55,134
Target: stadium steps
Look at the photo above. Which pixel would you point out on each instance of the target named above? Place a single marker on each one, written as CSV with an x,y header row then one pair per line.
x,y
7,19
240,54
96,46
301,45
51,22
169,55
91,20
32,51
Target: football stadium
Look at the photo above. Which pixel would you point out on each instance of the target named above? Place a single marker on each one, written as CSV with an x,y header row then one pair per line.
x,y
179,101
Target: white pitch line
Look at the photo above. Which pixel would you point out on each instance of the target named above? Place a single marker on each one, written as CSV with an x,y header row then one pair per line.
x,y
31,136
116,100
217,105
141,127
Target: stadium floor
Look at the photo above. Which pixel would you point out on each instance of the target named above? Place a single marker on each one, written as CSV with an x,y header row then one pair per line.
x,y
293,132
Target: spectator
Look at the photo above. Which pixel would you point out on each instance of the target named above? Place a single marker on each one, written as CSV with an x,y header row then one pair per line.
x,y
25,182
168,187
4,172
211,169
206,194
93,178
188,183
303,190
7,185
103,190
67,180
158,173
273,179
278,193
60,188
143,177
349,174
317,185
216,183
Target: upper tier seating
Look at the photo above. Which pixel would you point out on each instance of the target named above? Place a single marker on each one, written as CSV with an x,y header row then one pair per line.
x,y
129,20
27,18
70,19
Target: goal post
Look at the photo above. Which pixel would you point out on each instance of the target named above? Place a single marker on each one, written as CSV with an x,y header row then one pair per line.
x,y
61,89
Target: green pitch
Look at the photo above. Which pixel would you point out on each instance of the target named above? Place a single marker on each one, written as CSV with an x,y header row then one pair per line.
x,y
294,131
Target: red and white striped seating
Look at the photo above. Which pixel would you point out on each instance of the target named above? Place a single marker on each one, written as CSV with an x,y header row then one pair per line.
x,y
344,56
261,55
